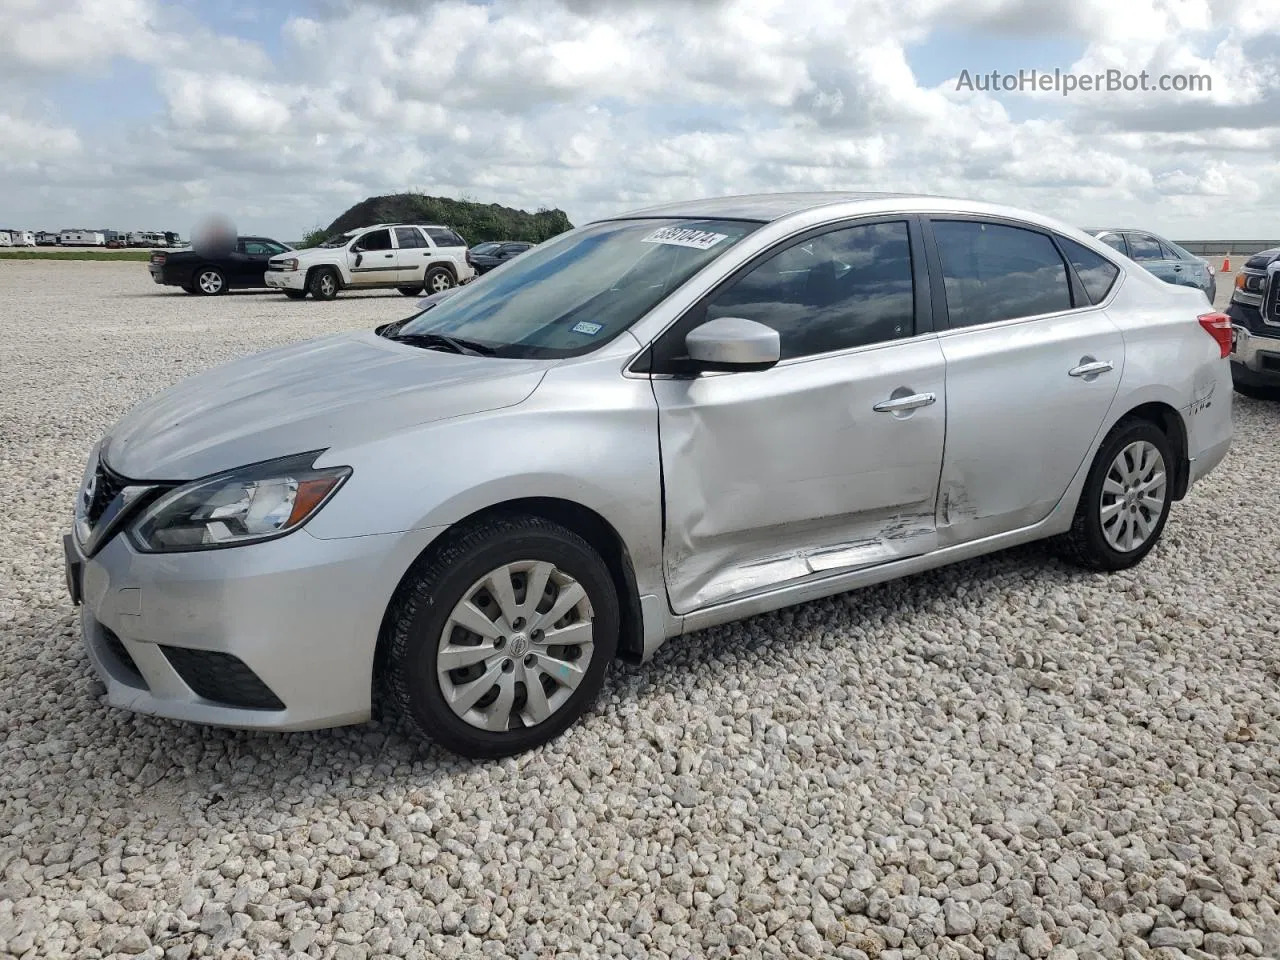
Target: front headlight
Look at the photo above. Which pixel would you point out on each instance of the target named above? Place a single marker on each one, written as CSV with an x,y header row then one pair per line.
x,y
290,264
248,505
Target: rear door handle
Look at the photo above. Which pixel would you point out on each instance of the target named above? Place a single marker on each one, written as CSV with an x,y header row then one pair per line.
x,y
898,404
1090,368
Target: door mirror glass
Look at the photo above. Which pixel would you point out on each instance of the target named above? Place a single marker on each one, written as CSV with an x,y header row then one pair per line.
x,y
733,343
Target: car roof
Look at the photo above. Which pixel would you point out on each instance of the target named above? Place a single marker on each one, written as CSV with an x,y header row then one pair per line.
x,y
375,226
762,207
1099,230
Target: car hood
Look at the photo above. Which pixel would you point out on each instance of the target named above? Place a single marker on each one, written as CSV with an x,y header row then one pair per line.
x,y
310,253
333,391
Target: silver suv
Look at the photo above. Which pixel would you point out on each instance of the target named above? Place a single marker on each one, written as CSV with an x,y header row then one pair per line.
x,y
643,427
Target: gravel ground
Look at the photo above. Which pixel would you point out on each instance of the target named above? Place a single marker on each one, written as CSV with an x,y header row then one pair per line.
x,y
1005,758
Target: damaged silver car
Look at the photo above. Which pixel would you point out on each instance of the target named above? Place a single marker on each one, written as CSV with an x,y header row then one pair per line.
x,y
646,426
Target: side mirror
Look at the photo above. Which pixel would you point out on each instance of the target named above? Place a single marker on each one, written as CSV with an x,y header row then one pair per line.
x,y
733,344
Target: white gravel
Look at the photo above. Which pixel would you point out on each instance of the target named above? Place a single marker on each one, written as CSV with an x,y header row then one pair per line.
x,y
1006,758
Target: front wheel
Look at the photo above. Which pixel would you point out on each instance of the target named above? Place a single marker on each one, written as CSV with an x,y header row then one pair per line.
x,y
324,284
501,640
1126,499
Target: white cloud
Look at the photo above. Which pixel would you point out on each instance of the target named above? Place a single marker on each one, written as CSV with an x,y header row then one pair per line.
x,y
599,105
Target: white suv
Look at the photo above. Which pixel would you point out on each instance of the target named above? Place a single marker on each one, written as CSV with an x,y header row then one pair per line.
x,y
408,257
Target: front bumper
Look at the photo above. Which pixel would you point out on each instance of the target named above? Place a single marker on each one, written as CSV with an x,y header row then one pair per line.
x,y
286,279
1255,359
298,617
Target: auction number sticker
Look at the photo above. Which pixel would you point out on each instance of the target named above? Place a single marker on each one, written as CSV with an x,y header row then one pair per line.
x,y
686,237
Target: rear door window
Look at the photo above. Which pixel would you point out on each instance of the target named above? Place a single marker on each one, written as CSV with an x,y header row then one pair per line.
x,y
993,272
1144,247
408,238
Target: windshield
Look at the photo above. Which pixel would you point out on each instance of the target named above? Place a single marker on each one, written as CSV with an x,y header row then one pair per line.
x,y
339,241
579,291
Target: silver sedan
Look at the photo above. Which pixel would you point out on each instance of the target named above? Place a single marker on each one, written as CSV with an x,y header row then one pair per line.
x,y
646,426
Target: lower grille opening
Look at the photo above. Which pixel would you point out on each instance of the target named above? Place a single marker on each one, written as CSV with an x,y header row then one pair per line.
x,y
222,678
128,670
1269,361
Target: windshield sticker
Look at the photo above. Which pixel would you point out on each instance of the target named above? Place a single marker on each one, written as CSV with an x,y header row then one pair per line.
x,y
685,237
584,326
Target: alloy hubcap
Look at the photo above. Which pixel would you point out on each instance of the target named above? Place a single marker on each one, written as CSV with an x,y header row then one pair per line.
x,y
1133,496
326,284
440,282
210,282
516,646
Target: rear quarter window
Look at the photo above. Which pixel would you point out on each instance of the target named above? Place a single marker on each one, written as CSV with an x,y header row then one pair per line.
x,y
1096,272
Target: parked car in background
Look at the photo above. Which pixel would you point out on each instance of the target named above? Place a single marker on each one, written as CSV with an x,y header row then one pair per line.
x,y
1255,318
485,256
406,256
646,426
194,272
1164,258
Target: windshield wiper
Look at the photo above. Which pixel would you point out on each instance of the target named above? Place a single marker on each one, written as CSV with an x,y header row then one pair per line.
x,y
438,341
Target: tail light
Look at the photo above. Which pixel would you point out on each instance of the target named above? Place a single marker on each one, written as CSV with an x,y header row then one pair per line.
x,y
1218,326
157,258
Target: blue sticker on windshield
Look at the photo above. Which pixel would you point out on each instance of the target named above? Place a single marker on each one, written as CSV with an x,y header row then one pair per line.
x,y
584,326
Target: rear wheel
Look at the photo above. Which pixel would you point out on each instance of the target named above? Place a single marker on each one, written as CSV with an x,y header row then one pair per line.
x,y
323,284
296,294
501,641
210,282
1126,499
439,279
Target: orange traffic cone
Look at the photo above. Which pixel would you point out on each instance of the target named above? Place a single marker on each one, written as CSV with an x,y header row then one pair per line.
x,y
1226,264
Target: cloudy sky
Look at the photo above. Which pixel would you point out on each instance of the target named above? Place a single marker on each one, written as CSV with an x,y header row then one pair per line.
x,y
149,114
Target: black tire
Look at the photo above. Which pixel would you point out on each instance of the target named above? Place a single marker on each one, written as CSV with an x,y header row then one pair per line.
x,y
410,291
426,599
320,287
296,294
1085,543
438,279
188,288
210,281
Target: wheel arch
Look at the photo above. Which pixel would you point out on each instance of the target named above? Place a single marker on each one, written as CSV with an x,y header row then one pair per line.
x,y
1171,424
312,270
583,521
445,264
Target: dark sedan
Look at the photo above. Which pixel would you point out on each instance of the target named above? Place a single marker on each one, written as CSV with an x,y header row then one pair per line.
x,y
485,256
243,268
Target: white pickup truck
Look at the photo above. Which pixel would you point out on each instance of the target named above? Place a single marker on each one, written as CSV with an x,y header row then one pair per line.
x,y
405,256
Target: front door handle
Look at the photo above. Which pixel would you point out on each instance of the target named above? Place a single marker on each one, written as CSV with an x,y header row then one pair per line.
x,y
898,404
1090,368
